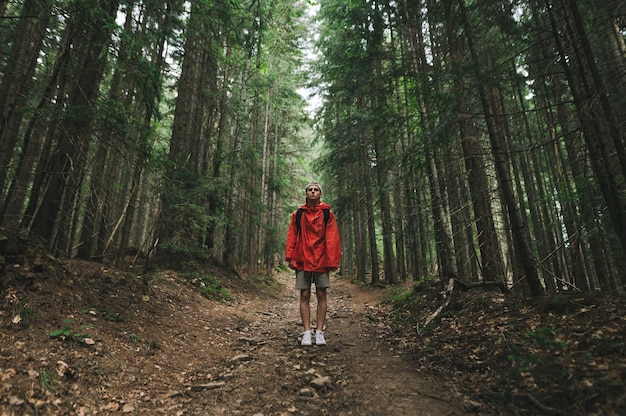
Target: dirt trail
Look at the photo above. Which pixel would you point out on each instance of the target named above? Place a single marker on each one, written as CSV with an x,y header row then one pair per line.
x,y
356,373
81,338
158,347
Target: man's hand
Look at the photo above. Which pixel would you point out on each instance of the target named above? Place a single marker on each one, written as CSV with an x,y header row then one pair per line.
x,y
289,264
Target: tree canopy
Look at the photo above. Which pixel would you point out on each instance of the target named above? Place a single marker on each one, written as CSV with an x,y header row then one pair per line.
x,y
469,139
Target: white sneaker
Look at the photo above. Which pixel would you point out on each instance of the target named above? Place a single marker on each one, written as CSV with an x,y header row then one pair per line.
x,y
319,338
306,339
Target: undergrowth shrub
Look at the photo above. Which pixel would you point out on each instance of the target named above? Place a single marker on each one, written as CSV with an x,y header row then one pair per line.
x,y
535,349
212,288
67,333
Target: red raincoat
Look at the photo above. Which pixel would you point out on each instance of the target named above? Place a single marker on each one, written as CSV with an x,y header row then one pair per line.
x,y
316,248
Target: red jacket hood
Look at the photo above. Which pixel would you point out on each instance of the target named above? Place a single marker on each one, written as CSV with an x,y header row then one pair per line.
x,y
321,205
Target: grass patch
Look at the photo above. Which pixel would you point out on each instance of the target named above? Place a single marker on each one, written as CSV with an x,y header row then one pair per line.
x,y
403,302
46,382
212,288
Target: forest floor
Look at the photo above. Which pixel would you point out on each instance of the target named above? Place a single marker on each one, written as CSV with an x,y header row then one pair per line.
x,y
81,338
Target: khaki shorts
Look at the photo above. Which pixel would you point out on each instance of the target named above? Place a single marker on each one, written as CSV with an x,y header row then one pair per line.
x,y
304,279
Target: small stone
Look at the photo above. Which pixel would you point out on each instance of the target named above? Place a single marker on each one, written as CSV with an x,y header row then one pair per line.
x,y
251,341
320,382
471,406
306,392
240,357
111,407
208,386
171,393
16,401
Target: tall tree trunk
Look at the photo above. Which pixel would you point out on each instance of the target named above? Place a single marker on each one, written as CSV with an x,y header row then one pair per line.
x,y
441,219
55,219
360,238
253,202
385,209
95,230
491,261
36,153
370,216
57,91
398,225
347,232
604,143
148,100
490,257
457,195
18,79
496,121
221,136
184,189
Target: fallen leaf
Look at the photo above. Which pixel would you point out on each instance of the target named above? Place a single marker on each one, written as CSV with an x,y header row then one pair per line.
x,y
111,406
16,401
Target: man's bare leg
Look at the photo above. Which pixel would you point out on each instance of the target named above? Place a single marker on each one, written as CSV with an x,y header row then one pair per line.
x,y
305,309
322,305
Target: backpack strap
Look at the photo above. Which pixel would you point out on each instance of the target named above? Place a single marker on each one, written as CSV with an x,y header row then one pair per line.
x,y
298,218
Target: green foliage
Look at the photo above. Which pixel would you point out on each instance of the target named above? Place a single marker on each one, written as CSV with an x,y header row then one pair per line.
x,y
265,280
545,338
62,332
26,314
370,317
535,349
605,345
187,222
66,332
212,288
135,339
397,296
46,382
403,302
190,213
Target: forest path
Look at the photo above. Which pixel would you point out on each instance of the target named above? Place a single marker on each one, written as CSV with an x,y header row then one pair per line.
x,y
157,346
355,374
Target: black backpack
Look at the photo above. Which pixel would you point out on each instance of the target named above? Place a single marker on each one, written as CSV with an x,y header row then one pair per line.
x,y
299,216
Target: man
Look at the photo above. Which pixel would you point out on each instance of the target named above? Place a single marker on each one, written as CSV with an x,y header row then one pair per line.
x,y
313,250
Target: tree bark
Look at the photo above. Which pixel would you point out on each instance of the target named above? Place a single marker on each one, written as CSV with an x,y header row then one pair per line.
x,y
55,220
496,126
18,79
